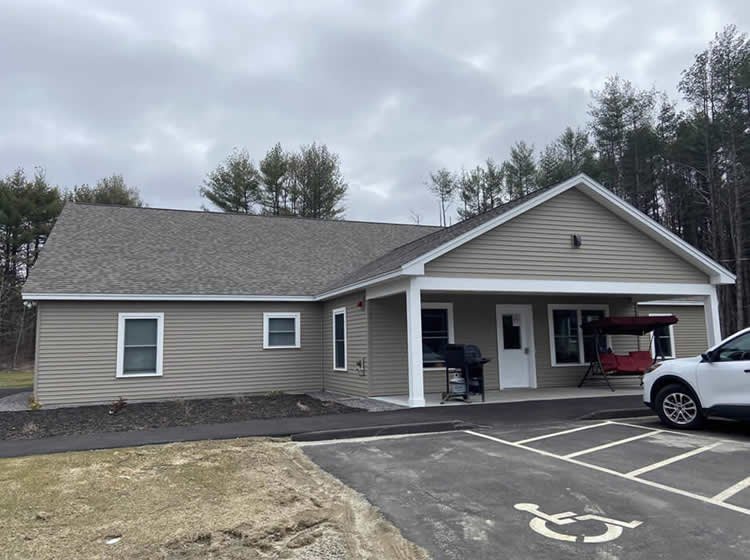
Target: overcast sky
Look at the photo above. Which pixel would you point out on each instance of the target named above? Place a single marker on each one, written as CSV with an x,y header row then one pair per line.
x,y
162,91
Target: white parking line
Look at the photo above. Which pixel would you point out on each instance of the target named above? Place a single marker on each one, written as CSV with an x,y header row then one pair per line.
x,y
364,439
555,434
645,482
665,462
732,490
611,444
675,432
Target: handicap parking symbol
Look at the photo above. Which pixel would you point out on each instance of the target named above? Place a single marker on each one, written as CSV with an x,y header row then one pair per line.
x,y
542,523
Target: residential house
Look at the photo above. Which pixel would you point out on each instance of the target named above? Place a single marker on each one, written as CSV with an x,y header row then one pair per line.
x,y
150,304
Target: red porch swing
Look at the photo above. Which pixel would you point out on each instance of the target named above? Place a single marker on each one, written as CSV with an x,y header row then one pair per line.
x,y
632,364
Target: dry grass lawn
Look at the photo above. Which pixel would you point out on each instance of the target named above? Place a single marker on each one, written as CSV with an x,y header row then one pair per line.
x,y
13,379
246,498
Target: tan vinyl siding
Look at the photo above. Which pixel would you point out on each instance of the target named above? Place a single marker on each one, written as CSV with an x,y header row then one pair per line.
x,y
353,381
690,335
474,323
622,344
537,245
388,350
210,349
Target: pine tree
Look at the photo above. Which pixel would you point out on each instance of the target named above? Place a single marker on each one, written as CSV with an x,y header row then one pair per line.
x,y
317,185
274,181
234,186
443,186
570,154
109,190
480,189
520,170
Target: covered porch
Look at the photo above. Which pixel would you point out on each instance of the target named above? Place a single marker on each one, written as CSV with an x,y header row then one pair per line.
x,y
529,329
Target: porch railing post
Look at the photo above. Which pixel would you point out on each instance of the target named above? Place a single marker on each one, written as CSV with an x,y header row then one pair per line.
x,y
414,343
713,325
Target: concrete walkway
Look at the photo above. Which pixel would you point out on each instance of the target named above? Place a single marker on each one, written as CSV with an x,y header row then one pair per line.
x,y
13,391
17,400
522,395
496,416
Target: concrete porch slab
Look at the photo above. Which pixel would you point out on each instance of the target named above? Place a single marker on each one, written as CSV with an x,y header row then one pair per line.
x,y
522,395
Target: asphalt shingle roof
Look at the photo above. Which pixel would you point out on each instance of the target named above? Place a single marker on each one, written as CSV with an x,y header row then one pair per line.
x,y
96,249
117,250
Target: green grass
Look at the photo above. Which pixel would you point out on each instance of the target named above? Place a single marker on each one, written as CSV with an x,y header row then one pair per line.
x,y
15,379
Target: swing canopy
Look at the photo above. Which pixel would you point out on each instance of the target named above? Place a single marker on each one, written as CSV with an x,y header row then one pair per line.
x,y
628,325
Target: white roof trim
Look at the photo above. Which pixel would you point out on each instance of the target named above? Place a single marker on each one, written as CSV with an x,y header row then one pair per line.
x,y
672,303
536,286
159,297
717,273
359,285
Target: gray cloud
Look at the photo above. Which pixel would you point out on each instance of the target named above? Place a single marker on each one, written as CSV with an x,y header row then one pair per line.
x,y
162,91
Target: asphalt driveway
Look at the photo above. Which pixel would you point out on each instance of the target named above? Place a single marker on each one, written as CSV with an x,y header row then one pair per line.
x,y
576,490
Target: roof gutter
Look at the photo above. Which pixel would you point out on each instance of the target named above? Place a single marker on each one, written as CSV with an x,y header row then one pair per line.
x,y
158,297
31,296
359,285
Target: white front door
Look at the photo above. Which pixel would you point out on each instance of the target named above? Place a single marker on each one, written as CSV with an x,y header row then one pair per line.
x,y
515,344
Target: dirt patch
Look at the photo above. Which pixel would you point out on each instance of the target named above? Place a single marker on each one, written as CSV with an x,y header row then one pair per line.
x,y
146,416
246,498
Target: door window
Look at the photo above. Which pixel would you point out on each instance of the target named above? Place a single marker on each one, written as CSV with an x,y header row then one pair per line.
x,y
512,331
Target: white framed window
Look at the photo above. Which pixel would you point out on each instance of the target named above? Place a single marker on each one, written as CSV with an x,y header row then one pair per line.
x,y
140,344
568,345
664,336
281,330
437,332
339,339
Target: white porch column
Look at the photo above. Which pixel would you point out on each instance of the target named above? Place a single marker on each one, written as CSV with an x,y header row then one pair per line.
x,y
711,309
414,343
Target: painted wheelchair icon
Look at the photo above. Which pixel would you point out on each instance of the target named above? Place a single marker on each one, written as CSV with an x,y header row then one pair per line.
x,y
542,522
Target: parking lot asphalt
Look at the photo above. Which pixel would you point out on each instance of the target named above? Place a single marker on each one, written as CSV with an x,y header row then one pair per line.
x,y
601,490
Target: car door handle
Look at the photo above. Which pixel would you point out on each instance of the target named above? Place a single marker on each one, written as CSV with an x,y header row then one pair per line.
x,y
747,371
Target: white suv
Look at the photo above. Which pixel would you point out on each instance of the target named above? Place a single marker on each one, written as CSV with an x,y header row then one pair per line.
x,y
685,391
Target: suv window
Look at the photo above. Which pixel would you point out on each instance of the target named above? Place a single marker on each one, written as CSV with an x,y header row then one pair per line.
x,y
734,350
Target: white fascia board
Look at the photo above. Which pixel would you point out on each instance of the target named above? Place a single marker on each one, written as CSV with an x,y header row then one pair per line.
x,y
717,273
358,285
522,285
668,302
158,297
387,289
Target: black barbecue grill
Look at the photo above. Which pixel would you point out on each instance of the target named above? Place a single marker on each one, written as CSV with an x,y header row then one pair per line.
x,y
464,372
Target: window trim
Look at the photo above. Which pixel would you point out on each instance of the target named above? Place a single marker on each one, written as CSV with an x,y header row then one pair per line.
x,y
121,319
577,307
448,306
334,313
282,315
671,338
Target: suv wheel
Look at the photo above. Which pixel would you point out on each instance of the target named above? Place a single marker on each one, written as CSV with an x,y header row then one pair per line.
x,y
678,407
